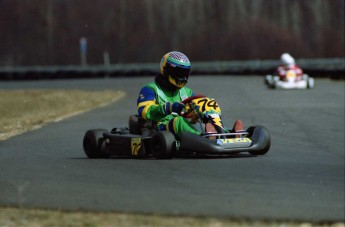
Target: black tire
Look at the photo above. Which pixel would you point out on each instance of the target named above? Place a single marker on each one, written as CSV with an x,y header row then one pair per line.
x,y
310,83
94,144
261,139
268,79
163,145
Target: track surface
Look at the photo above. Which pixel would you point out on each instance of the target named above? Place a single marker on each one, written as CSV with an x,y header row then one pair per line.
x,y
300,178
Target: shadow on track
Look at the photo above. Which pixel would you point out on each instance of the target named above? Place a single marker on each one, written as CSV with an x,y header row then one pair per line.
x,y
176,158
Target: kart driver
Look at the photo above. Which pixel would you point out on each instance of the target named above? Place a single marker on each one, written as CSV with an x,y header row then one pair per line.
x,y
288,65
160,101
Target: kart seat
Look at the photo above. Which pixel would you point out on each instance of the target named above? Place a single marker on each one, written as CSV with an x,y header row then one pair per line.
x,y
138,125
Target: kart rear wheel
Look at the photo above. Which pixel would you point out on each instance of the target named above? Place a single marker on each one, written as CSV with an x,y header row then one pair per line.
x,y
310,83
93,143
268,80
261,139
163,145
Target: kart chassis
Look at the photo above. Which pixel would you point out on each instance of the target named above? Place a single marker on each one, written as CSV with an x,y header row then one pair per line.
x,y
141,140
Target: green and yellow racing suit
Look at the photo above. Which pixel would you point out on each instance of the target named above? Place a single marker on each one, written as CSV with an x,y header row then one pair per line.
x,y
150,105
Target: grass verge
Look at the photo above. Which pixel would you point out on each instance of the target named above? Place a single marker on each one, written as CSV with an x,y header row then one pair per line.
x,y
25,110
11,217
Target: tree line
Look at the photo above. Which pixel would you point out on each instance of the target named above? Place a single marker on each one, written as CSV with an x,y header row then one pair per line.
x,y
48,32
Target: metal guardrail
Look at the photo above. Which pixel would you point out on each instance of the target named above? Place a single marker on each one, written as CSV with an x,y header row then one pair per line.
x,y
332,67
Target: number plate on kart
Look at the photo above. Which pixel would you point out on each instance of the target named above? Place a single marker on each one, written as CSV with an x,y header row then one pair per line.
x,y
234,140
136,144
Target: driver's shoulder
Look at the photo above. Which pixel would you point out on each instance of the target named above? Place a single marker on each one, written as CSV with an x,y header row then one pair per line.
x,y
188,90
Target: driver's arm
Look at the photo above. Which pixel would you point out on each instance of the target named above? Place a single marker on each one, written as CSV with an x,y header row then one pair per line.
x,y
147,105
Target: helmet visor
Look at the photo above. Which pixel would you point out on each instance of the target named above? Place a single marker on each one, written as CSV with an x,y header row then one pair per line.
x,y
177,83
179,74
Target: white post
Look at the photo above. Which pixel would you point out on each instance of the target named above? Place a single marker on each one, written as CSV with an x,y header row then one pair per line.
x,y
106,58
83,51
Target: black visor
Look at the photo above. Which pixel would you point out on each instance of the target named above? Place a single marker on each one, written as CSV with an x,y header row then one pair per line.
x,y
178,73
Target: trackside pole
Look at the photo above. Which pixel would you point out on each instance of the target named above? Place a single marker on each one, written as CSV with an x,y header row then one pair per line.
x,y
83,51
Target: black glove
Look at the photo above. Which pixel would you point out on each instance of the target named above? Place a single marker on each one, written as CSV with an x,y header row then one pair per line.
x,y
173,107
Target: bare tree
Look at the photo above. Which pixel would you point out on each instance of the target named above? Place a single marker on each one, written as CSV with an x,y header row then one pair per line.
x,y
36,32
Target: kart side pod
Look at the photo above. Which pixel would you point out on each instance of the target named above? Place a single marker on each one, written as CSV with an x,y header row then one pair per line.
x,y
261,140
100,143
259,143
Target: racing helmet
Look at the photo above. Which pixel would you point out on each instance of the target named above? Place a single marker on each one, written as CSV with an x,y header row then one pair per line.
x,y
287,60
175,67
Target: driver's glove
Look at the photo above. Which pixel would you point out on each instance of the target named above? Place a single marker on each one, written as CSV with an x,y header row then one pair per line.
x,y
173,107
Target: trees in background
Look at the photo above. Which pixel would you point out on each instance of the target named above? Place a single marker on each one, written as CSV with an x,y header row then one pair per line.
x,y
36,32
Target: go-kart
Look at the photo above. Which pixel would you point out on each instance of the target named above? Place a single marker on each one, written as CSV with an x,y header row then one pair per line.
x,y
290,81
142,139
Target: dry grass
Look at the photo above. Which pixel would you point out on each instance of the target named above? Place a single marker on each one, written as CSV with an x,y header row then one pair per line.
x,y
10,217
24,110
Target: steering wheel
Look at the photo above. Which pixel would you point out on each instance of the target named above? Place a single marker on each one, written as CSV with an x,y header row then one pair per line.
x,y
188,100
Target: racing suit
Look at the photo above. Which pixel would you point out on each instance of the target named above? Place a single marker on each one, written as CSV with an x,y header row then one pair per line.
x,y
282,71
150,107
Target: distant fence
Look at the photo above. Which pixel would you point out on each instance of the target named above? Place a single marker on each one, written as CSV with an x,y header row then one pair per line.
x,y
331,67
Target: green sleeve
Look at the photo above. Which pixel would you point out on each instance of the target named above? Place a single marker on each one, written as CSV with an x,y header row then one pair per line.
x,y
155,112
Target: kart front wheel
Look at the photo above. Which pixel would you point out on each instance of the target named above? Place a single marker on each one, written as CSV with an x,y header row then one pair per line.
x,y
93,143
162,144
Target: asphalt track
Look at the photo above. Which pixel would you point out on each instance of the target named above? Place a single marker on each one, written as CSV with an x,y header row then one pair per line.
x,y
300,178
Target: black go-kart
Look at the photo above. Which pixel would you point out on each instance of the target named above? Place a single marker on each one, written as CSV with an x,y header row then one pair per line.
x,y
141,138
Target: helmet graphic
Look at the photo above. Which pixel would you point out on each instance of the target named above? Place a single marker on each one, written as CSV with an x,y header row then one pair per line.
x,y
175,67
287,59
